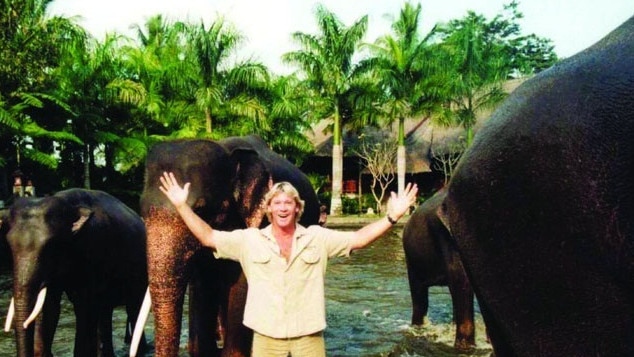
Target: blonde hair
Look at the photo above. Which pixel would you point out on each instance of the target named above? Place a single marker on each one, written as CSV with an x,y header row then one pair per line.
x,y
288,189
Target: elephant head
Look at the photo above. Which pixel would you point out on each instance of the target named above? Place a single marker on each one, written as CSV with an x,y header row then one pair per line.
x,y
40,231
86,244
228,181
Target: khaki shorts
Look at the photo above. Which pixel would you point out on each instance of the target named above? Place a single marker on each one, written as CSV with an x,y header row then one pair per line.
x,y
303,346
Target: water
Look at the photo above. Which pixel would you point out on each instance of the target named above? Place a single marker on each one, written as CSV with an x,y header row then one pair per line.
x,y
368,312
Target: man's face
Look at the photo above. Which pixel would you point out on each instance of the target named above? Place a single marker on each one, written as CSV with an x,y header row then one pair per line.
x,y
283,209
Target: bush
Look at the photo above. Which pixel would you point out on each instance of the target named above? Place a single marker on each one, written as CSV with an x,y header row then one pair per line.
x,y
349,205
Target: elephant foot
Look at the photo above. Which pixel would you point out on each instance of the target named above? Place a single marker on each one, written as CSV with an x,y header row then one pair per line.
x,y
464,345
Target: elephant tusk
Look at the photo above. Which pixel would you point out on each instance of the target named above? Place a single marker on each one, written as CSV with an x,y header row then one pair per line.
x,y
37,309
7,324
140,323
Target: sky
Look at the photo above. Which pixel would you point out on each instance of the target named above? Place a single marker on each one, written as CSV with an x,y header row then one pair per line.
x,y
267,25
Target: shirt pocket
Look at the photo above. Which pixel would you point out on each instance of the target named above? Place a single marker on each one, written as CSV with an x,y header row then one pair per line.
x,y
309,266
261,265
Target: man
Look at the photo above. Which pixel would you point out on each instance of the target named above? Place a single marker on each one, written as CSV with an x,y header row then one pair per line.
x,y
285,264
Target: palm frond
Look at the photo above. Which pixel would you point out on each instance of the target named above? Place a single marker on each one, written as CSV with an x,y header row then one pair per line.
x,y
33,130
42,158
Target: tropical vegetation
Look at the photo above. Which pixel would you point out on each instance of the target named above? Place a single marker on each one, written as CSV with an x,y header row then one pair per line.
x,y
77,111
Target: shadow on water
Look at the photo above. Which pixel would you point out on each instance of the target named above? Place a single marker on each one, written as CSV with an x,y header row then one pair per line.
x,y
368,312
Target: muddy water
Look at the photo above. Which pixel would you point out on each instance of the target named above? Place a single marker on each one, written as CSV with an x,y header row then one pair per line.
x,y
368,311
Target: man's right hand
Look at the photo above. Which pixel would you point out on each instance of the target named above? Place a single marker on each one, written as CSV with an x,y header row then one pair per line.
x,y
174,192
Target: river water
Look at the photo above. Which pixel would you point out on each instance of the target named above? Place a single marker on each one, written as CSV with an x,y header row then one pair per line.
x,y
368,311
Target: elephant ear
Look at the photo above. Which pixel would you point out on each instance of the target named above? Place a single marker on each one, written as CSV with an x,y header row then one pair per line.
x,y
251,184
84,214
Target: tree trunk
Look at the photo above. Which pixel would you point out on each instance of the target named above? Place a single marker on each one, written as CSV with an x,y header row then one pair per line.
x,y
401,168
208,121
87,167
337,180
337,166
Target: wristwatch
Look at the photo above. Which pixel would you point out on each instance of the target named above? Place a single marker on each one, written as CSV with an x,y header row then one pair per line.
x,y
390,219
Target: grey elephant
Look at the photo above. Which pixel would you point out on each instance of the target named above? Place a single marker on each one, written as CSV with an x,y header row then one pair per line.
x,y
433,260
541,208
84,243
229,179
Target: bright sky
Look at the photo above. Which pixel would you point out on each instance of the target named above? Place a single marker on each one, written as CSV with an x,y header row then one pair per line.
x,y
572,25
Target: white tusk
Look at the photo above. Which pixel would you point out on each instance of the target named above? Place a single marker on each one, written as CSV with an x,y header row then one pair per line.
x,y
140,323
37,309
7,324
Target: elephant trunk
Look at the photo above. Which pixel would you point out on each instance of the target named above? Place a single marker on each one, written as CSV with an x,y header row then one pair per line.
x,y
169,248
24,337
24,293
168,311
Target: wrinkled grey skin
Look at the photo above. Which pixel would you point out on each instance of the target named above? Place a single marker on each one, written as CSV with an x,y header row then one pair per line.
x,y
541,208
86,244
229,179
433,260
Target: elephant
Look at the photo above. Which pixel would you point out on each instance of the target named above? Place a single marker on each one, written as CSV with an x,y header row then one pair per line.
x,y
84,243
229,179
541,208
432,260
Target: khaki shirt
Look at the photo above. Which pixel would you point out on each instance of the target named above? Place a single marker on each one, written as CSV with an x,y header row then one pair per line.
x,y
284,300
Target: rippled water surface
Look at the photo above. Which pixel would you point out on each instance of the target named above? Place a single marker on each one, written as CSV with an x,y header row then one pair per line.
x,y
368,311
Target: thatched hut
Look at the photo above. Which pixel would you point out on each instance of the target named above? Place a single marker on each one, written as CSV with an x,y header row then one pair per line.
x,y
425,142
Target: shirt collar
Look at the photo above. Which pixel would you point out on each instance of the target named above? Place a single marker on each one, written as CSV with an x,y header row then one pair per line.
x,y
267,232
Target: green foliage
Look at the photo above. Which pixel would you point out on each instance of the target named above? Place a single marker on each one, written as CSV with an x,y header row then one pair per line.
x,y
72,106
326,62
350,205
482,55
358,204
317,181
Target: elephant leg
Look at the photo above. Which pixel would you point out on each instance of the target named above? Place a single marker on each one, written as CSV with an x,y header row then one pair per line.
x,y
239,338
45,329
419,293
105,331
203,312
462,298
86,326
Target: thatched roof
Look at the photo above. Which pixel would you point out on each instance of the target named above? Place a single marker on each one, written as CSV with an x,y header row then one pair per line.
x,y
422,138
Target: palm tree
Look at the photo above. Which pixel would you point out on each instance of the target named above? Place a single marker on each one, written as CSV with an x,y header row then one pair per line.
x,y
31,46
410,76
223,89
25,132
480,62
83,78
288,118
326,61
157,85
